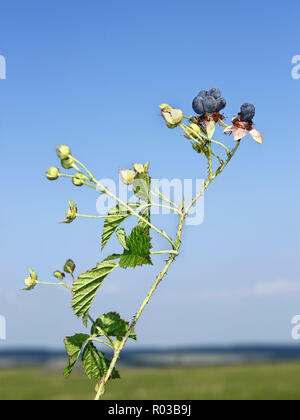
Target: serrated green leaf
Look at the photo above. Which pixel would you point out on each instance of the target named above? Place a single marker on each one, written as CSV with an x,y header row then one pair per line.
x,y
74,346
95,364
141,187
121,235
139,245
112,325
115,217
87,285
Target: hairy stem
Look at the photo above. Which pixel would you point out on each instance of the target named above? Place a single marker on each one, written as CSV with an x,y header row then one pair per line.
x,y
159,278
119,348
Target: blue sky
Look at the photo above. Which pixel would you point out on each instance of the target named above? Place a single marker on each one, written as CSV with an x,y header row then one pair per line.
x,y
91,74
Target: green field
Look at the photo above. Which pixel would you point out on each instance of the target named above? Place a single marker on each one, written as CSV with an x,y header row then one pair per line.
x,y
277,381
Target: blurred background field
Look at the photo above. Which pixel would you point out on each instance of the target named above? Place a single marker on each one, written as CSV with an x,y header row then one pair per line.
x,y
214,373
257,382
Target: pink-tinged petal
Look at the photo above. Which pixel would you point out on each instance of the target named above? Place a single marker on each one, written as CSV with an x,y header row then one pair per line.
x,y
258,137
239,133
210,128
229,129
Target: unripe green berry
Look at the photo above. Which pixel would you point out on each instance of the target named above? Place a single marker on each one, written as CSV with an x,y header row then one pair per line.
x,y
52,173
63,151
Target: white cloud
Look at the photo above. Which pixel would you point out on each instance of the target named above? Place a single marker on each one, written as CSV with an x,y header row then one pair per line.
x,y
260,289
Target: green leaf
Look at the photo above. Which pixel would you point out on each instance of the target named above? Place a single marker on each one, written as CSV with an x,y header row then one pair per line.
x,y
95,364
115,217
121,235
146,214
113,257
74,346
139,245
87,285
112,325
141,187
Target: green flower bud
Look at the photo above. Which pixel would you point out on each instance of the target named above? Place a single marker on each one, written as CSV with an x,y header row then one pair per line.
x,y
146,166
78,179
59,275
33,274
139,168
52,173
172,116
127,176
31,281
63,152
71,213
67,163
69,267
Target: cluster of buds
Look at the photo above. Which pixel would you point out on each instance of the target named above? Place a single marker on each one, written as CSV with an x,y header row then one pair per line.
x,y
128,175
69,268
67,161
31,281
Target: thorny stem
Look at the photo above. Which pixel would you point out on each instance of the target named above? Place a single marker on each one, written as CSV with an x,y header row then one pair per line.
x,y
118,349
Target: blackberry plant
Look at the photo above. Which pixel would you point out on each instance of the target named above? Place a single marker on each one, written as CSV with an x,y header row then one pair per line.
x,y
109,330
